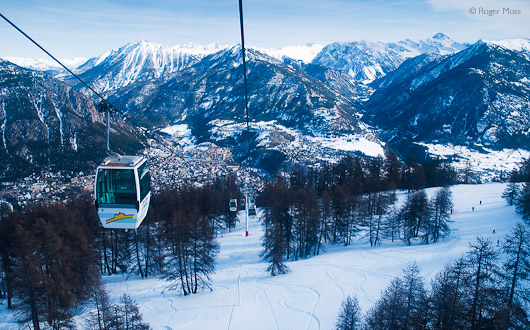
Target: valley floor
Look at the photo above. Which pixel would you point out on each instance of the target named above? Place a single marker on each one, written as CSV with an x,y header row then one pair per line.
x,y
245,296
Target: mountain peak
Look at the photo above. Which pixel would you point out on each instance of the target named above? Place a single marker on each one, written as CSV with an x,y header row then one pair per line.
x,y
440,36
143,43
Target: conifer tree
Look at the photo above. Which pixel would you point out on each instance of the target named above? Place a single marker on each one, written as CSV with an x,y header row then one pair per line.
x,y
350,316
388,311
402,305
274,248
416,298
53,265
131,316
381,201
483,296
100,317
442,205
510,193
447,297
522,202
416,216
278,226
516,278
392,168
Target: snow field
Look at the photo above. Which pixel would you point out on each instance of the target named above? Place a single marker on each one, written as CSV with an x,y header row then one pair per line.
x,y
310,295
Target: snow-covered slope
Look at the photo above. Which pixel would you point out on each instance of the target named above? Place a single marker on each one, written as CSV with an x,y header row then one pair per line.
x,y
145,60
487,164
310,295
245,296
520,45
208,97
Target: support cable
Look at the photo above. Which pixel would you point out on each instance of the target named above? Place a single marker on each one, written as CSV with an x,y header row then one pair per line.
x,y
244,76
244,61
56,60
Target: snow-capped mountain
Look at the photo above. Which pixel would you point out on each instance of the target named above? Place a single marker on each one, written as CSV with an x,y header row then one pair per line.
x,y
138,61
47,125
367,61
429,94
208,97
144,60
478,96
213,89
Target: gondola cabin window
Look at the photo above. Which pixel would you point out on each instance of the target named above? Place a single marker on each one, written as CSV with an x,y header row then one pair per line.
x,y
145,180
116,186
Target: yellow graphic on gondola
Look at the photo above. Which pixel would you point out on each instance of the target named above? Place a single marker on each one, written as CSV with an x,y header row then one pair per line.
x,y
119,216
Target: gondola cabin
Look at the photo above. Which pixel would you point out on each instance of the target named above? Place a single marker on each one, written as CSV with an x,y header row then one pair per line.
x,y
233,205
122,191
252,211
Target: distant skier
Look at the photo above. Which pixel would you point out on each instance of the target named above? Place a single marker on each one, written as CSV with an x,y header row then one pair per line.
x,y
480,203
472,209
493,232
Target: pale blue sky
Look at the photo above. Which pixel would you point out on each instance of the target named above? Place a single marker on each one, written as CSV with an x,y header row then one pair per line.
x,y
73,28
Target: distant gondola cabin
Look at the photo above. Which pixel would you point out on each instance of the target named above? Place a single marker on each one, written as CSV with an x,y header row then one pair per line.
x,y
122,191
252,211
233,205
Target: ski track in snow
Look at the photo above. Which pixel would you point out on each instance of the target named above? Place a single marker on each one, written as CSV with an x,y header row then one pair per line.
x,y
171,301
310,314
334,278
348,272
335,281
268,302
201,315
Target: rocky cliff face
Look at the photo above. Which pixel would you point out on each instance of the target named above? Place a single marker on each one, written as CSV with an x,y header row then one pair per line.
x,y
47,125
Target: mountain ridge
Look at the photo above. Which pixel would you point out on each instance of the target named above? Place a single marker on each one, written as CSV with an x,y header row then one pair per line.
x,y
479,95
297,106
367,61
